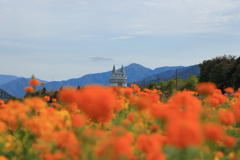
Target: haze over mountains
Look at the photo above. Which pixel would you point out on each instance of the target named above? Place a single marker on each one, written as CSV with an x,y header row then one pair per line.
x,y
136,73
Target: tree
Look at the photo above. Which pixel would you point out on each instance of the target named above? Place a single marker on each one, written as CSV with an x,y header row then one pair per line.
x,y
172,85
220,70
152,86
190,83
235,73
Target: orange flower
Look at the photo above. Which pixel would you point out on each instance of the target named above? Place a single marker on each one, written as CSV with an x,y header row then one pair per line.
x,y
229,141
237,94
54,100
3,158
68,141
3,127
229,90
78,120
29,89
147,144
55,156
123,147
219,154
130,116
128,91
56,105
154,127
2,106
160,111
97,102
226,117
184,102
68,95
144,100
216,99
136,89
34,82
117,145
236,111
178,130
119,105
213,132
206,88
36,103
46,98
151,145
126,122
13,113
71,107
1,102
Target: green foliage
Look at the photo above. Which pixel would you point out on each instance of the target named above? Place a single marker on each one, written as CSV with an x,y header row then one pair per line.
x,y
223,71
172,85
152,86
190,83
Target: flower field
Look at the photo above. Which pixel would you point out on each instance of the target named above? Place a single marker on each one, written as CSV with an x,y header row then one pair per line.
x,y
112,123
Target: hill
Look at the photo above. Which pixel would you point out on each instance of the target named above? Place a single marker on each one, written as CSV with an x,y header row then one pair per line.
x,y
4,95
136,73
16,87
183,73
7,78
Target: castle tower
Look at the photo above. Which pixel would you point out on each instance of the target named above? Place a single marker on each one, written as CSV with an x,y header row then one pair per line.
x,y
118,78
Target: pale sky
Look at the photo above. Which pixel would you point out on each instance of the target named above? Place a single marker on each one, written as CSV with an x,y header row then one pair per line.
x,y
64,39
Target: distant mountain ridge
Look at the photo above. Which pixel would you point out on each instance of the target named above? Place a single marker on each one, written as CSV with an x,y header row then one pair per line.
x,y
4,95
16,87
7,78
135,73
182,72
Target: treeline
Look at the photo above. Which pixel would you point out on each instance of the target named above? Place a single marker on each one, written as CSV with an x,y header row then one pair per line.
x,y
174,85
224,71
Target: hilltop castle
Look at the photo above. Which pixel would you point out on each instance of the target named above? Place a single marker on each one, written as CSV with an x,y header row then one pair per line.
x,y
118,78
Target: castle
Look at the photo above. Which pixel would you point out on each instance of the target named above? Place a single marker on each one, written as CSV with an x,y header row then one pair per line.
x,y
118,78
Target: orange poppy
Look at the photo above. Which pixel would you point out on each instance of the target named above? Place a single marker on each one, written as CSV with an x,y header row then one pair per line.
x,y
97,102
226,117
29,89
229,90
213,132
46,98
34,82
206,88
229,141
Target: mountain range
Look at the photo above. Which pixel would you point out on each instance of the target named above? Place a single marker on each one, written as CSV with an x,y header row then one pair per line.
x,y
135,73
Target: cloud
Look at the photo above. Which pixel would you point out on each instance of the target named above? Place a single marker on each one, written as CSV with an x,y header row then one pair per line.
x,y
146,17
150,3
3,1
100,59
122,37
81,2
141,32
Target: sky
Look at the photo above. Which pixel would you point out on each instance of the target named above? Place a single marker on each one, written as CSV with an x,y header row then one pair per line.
x,y
62,39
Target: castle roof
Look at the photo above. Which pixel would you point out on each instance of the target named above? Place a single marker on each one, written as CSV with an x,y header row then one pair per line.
x,y
122,71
